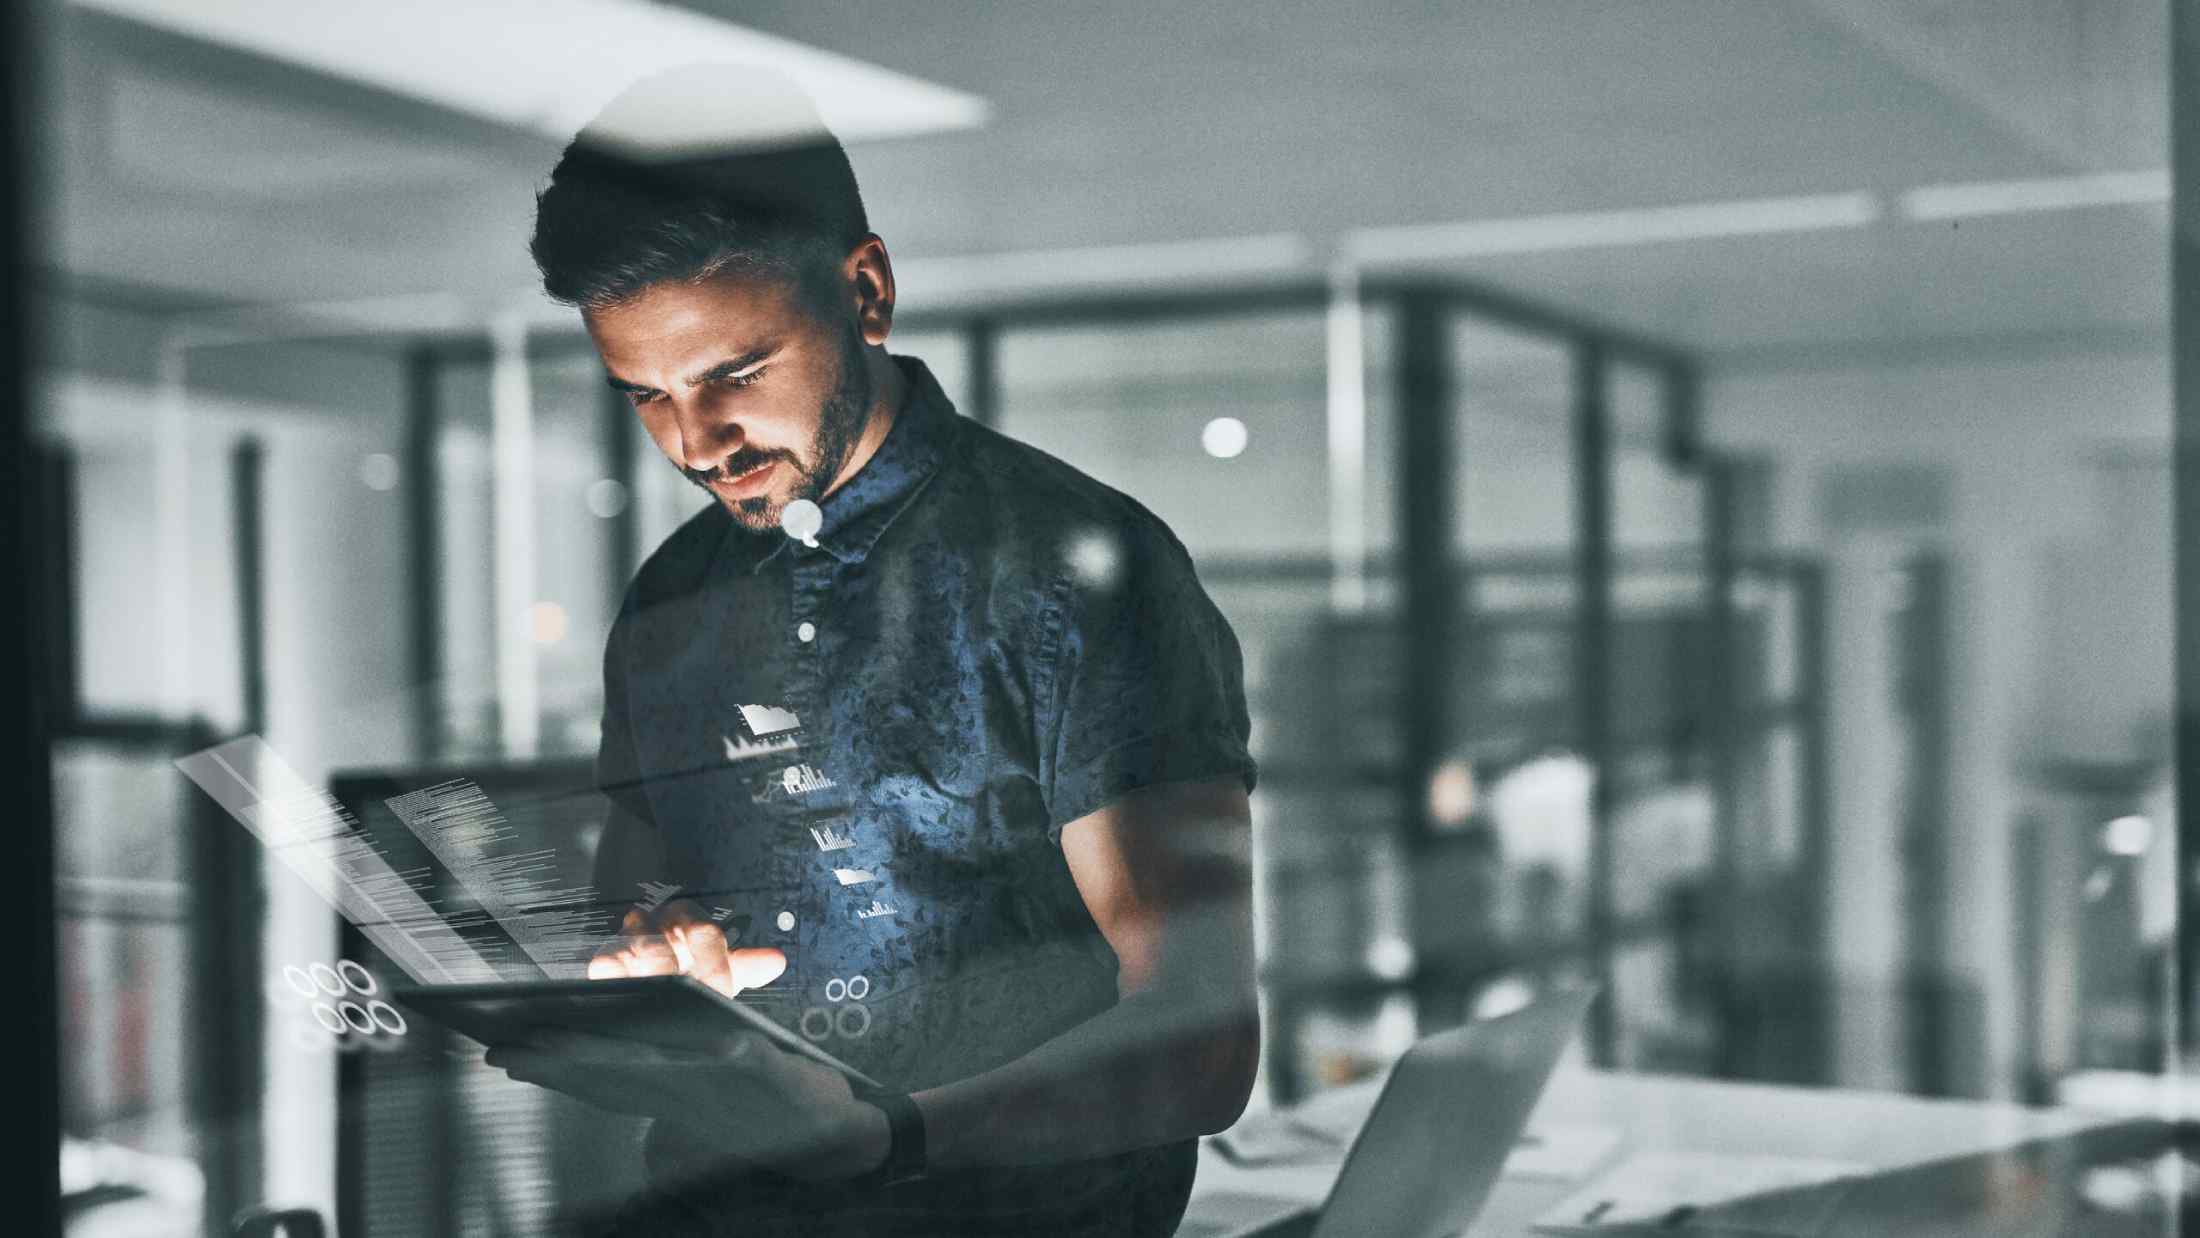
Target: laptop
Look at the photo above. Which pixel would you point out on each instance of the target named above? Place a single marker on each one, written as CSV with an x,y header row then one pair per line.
x,y
1424,1162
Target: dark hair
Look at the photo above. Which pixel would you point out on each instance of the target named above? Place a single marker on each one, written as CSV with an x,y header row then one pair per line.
x,y
613,222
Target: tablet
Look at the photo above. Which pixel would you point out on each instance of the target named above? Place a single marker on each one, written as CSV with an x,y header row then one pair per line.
x,y
677,1012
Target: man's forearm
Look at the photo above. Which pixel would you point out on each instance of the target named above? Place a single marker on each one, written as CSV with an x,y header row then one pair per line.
x,y
1155,1068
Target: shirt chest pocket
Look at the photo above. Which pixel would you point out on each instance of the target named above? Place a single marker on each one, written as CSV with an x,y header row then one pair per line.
x,y
929,806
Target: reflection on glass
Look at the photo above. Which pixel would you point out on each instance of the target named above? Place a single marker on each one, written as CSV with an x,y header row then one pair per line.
x,y
1843,748
1129,404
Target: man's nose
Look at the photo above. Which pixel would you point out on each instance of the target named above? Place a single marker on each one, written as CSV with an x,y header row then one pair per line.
x,y
706,440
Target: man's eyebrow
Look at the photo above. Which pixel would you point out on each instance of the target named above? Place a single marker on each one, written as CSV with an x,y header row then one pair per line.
x,y
722,369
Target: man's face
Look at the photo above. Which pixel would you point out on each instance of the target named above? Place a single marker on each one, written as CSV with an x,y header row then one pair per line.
x,y
753,390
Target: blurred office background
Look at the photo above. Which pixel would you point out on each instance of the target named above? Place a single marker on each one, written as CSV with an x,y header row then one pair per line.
x,y
1693,483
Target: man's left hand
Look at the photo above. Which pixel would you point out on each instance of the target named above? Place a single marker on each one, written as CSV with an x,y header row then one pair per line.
x,y
752,1101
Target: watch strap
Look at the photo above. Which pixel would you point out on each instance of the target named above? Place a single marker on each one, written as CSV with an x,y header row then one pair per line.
x,y
905,1159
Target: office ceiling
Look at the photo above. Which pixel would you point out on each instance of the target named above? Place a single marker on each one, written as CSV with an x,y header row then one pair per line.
x,y
204,171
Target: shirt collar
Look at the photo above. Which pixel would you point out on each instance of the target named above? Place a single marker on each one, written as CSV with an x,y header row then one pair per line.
x,y
859,512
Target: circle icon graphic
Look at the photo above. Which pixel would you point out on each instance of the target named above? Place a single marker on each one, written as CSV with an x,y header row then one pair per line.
x,y
326,977
325,1015
862,1021
356,978
394,1023
817,1023
301,983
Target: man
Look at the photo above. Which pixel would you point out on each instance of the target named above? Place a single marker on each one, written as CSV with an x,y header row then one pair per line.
x,y
958,792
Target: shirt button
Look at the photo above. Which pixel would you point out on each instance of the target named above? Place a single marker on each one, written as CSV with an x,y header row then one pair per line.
x,y
806,633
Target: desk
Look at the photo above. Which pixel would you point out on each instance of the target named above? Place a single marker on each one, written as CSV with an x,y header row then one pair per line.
x,y
1665,1113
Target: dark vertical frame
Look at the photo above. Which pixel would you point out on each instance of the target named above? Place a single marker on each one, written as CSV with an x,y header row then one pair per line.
x,y
1427,398
247,469
1429,603
1592,462
1722,697
1921,686
229,899
1815,861
1719,699
2184,112
622,463
982,337
55,588
424,545
1681,437
24,683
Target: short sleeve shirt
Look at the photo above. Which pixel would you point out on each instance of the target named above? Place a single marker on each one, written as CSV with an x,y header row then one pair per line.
x,y
864,752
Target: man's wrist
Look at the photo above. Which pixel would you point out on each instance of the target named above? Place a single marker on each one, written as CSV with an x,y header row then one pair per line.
x,y
871,1141
865,1138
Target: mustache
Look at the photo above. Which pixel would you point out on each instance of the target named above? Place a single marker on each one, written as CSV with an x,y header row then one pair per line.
x,y
743,461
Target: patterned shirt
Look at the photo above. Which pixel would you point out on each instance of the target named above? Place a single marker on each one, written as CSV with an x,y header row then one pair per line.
x,y
864,753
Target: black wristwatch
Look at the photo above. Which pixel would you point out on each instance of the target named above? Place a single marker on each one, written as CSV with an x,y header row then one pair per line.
x,y
905,1138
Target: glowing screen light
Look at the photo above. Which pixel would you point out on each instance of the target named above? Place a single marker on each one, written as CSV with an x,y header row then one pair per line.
x,y
1225,438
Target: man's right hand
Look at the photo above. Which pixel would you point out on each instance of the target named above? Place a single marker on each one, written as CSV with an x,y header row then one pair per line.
x,y
679,938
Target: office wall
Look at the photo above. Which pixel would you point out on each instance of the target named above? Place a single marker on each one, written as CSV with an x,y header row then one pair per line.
x,y
2043,474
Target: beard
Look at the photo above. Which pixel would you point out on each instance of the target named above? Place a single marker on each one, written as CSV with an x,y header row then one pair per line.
x,y
839,423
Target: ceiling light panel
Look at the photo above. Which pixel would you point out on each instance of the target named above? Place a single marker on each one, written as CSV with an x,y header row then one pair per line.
x,y
2145,187
547,65
1529,234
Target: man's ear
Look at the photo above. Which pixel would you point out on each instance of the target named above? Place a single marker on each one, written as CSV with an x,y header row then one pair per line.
x,y
870,277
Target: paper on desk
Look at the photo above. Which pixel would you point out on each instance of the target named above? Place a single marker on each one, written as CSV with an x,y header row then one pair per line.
x,y
1279,1139
1561,1151
1293,1137
1764,1193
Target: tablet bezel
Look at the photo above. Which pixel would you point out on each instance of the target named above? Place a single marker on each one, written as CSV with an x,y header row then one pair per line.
x,y
552,1005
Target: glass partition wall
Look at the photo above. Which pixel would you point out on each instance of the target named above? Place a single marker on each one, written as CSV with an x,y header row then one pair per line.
x,y
1525,706
1528,702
